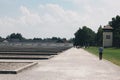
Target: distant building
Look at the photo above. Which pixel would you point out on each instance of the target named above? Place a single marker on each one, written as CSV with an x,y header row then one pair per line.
x,y
107,36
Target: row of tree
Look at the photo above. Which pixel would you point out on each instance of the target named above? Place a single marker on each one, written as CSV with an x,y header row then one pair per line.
x,y
17,37
83,37
86,36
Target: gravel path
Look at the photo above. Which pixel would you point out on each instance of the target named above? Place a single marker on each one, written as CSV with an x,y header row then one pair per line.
x,y
73,64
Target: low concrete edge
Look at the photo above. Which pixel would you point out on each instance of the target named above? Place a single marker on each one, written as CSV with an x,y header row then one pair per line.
x,y
25,67
19,69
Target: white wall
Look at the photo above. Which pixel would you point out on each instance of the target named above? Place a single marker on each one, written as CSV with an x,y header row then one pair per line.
x,y
107,42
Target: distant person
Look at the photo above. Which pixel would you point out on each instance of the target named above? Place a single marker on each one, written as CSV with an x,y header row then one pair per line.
x,y
100,52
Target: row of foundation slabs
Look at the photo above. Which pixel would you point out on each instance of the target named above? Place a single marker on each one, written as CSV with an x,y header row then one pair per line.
x,y
25,53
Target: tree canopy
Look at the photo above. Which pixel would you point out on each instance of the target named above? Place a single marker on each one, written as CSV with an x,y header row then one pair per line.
x,y
99,36
84,37
15,36
115,23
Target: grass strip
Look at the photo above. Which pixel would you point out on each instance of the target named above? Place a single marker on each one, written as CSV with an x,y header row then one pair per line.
x,y
111,54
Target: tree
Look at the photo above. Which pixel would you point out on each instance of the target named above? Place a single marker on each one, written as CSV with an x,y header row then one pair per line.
x,y
1,39
115,23
99,36
15,36
77,39
37,39
84,37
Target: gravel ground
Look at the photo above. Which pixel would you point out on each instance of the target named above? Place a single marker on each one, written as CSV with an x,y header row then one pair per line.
x,y
73,64
10,66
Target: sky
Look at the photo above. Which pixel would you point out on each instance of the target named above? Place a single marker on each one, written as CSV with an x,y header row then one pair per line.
x,y
59,18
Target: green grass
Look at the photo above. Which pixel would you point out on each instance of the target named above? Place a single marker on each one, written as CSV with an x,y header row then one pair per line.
x,y
111,54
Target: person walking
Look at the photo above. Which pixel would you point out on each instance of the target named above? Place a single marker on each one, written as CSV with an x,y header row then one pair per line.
x,y
100,53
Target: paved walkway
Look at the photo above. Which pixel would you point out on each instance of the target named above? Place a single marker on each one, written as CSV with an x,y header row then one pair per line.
x,y
73,64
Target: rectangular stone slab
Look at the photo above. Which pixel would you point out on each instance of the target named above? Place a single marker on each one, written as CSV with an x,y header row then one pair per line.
x,y
24,57
14,67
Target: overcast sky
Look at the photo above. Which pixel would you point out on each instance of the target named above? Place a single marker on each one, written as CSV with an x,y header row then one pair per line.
x,y
60,18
